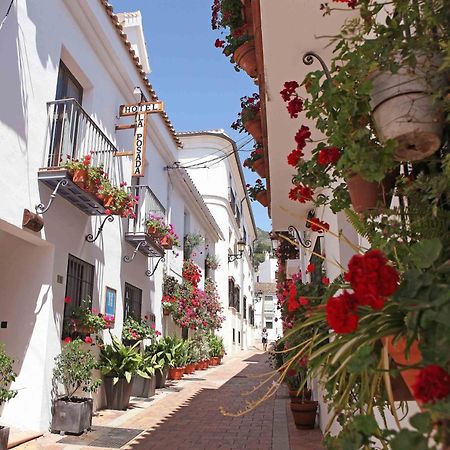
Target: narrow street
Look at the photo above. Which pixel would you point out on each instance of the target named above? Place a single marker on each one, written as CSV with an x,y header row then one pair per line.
x,y
185,415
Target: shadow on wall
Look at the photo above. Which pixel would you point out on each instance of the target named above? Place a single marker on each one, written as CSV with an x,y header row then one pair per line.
x,y
25,294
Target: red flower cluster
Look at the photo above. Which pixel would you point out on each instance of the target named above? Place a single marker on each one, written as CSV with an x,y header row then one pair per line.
x,y
219,43
371,278
328,155
294,157
293,302
289,90
295,106
432,384
191,273
301,193
311,267
301,137
341,313
318,225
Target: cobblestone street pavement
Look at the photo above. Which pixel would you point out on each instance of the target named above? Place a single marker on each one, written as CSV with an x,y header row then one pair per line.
x,y
186,416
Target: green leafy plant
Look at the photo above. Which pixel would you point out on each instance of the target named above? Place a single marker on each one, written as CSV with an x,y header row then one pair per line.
x,y
161,350
178,349
253,191
73,369
216,347
137,330
7,376
212,262
191,242
120,361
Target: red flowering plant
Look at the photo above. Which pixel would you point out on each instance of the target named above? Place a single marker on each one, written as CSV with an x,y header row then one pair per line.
x,y
253,191
171,293
214,310
256,155
136,330
250,107
227,15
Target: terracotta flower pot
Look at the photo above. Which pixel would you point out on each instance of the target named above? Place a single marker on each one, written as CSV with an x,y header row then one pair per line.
x,y
153,231
189,369
404,110
166,242
80,177
366,195
254,128
166,311
262,198
397,352
215,361
299,396
259,166
245,58
176,373
108,201
304,413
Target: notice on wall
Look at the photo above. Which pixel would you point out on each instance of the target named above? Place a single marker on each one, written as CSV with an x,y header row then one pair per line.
x,y
140,111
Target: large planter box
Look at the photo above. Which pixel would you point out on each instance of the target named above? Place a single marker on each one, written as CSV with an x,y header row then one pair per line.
x,y
161,377
4,435
117,395
143,387
73,416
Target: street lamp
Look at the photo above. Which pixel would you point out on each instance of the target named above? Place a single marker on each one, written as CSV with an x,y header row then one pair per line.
x,y
240,248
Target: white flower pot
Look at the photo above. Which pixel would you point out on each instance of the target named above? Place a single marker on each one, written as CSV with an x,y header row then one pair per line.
x,y
403,109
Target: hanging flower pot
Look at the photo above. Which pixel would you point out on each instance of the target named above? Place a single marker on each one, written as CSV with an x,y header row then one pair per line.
x,y
80,177
253,127
245,58
166,242
397,352
304,413
403,109
366,195
262,198
108,201
259,167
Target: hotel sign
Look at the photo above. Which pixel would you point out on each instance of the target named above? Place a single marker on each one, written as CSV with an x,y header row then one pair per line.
x,y
140,111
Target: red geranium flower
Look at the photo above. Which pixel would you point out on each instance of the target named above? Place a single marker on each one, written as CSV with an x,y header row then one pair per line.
x,y
341,313
328,155
318,225
351,3
88,340
294,157
302,134
289,89
295,106
310,268
67,299
325,281
432,384
67,339
219,43
301,193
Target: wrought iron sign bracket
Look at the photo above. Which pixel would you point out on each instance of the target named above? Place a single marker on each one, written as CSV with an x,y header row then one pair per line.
x,y
151,273
91,238
308,59
41,208
294,232
128,259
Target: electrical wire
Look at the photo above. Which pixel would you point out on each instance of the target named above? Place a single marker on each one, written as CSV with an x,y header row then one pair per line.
x,y
6,15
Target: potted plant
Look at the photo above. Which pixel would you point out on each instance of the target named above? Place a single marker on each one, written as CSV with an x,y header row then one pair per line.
x,y
79,170
161,349
212,262
83,320
249,119
191,242
156,226
179,355
258,192
193,356
256,162
73,370
137,330
216,349
170,239
171,292
7,376
238,43
118,364
145,386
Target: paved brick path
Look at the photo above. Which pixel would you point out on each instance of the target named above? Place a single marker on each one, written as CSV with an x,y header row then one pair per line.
x,y
186,416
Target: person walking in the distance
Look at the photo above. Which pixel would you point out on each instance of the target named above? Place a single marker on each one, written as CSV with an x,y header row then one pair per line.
x,y
264,337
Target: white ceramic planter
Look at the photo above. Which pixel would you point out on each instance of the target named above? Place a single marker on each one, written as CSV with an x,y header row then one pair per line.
x,y
403,109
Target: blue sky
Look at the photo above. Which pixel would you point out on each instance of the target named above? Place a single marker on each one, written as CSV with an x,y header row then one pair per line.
x,y
199,86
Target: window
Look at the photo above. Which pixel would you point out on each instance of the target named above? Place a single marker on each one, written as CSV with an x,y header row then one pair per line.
x,y
237,298
244,307
79,283
234,335
239,337
269,325
232,201
133,302
230,292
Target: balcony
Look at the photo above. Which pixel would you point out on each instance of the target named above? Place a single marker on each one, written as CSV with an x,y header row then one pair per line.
x,y
137,235
72,135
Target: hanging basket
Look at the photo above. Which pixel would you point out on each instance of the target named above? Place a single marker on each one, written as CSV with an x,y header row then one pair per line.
x,y
253,127
166,242
262,198
245,58
259,166
404,110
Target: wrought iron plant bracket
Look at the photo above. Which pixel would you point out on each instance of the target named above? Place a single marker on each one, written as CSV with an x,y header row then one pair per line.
x,y
41,208
127,258
308,59
91,238
151,273
294,232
